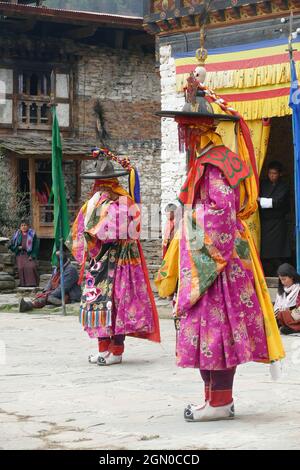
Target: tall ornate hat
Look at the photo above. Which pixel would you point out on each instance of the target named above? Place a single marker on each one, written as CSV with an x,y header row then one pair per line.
x,y
197,101
104,169
196,105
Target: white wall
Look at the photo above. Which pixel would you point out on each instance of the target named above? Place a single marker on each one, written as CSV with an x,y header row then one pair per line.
x,y
173,164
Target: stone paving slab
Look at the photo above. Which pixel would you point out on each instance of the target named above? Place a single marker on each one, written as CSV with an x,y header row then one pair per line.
x,y
51,398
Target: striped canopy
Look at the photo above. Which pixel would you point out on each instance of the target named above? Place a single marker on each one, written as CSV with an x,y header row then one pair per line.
x,y
254,78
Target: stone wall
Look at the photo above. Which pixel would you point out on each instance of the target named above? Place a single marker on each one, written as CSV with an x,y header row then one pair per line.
x,y
127,86
173,163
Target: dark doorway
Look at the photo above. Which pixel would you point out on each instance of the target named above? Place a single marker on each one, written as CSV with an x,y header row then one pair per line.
x,y
24,182
281,148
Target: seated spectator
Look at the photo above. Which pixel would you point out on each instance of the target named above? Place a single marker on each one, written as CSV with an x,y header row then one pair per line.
x,y
51,295
169,228
25,245
287,303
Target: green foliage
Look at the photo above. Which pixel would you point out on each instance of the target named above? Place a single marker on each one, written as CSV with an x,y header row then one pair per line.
x,y
118,7
13,205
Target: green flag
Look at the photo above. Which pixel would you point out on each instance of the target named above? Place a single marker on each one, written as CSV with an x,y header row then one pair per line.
x,y
61,215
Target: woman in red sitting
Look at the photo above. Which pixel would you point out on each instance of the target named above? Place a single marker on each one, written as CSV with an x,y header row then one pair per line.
x,y
287,303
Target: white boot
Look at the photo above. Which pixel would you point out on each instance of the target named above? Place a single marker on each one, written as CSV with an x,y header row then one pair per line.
x,y
93,358
193,407
109,360
209,413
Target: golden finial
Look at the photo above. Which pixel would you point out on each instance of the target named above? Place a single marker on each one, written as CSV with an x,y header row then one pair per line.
x,y
201,56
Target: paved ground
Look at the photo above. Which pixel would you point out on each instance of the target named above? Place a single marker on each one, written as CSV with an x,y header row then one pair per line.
x,y
51,398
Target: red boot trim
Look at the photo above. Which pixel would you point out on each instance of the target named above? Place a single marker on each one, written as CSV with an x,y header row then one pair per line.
x,y
220,397
103,345
116,349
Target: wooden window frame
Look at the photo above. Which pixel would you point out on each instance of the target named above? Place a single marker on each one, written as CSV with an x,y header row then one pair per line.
x,y
8,96
16,96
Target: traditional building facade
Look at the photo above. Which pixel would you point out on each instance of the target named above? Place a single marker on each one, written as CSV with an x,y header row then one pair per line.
x,y
247,64
102,71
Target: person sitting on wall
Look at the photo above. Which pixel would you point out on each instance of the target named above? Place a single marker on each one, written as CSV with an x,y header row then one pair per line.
x,y
274,204
51,295
287,303
25,245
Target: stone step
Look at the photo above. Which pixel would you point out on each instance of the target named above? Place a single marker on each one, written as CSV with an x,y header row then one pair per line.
x,y
7,282
10,270
28,290
7,258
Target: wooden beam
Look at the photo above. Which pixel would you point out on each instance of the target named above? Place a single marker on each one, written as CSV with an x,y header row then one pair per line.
x,y
281,4
151,28
81,32
31,167
265,7
235,13
141,40
164,25
175,22
217,16
119,39
250,10
17,26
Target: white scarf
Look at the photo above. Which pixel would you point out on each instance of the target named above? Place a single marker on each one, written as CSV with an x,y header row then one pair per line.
x,y
90,207
287,299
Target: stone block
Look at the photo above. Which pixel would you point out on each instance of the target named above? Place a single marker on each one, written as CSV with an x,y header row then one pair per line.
x,y
11,270
4,276
7,285
7,258
7,282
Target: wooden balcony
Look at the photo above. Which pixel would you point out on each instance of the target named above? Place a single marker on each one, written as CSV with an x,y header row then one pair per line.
x,y
43,216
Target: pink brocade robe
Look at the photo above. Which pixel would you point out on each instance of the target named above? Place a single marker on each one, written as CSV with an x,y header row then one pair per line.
x,y
221,322
117,275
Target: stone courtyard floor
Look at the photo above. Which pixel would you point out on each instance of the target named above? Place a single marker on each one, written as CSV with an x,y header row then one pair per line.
x,y
51,398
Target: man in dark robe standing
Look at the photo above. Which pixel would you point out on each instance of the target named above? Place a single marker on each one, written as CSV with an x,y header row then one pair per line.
x,y
274,202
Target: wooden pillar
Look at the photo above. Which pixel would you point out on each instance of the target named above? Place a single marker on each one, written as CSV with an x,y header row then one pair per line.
x,y
78,181
14,167
33,203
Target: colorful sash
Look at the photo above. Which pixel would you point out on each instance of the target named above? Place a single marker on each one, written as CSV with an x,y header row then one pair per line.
x,y
233,168
17,239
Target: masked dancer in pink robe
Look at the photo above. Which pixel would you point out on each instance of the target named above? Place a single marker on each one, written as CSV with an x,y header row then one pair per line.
x,y
208,263
117,299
